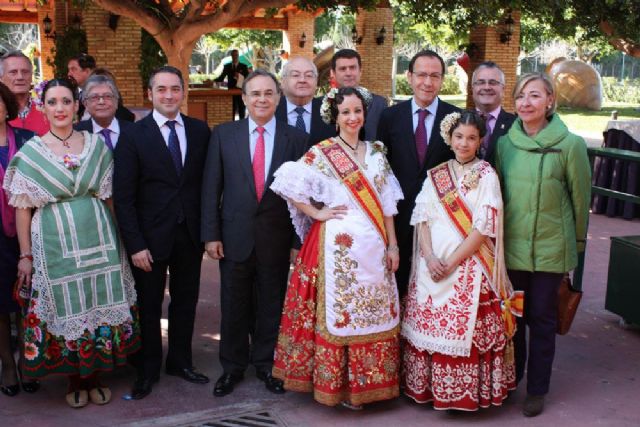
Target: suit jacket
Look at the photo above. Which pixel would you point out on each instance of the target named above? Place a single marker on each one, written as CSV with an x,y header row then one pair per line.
x,y
502,126
229,72
395,130
378,104
87,125
319,129
230,210
150,198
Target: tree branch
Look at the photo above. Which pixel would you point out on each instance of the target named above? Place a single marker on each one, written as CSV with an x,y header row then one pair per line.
x,y
628,46
143,16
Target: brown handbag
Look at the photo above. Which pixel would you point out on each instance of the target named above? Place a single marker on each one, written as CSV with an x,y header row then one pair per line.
x,y
568,301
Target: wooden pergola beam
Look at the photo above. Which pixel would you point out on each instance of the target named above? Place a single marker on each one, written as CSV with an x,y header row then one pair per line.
x,y
253,23
20,17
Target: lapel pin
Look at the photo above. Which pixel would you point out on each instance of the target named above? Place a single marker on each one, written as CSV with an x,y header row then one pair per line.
x,y
502,126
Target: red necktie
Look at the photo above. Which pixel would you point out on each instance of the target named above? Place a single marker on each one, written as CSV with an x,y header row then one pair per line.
x,y
258,163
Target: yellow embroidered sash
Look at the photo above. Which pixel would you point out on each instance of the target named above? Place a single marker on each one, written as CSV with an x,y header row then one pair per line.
x,y
462,219
459,213
349,173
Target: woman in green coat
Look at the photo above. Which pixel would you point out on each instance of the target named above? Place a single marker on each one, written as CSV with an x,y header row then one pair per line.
x,y
546,183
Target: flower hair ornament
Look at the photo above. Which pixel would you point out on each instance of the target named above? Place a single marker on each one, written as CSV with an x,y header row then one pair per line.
x,y
447,124
330,99
37,92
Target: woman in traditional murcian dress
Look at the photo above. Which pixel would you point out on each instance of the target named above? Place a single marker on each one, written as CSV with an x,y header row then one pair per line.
x,y
339,328
80,318
457,325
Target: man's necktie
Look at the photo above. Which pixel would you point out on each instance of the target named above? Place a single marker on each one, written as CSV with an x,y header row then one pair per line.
x,y
421,136
484,147
174,146
258,163
106,135
300,119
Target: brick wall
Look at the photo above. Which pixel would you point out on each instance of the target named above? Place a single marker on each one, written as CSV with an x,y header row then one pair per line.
x,y
487,40
377,60
119,51
46,45
298,23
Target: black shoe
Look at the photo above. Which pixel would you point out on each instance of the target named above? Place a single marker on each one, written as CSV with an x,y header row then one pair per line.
x,y
10,390
533,405
189,374
274,385
29,386
142,387
225,384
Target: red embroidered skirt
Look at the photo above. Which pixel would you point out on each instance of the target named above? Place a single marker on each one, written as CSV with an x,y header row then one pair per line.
x,y
465,383
308,362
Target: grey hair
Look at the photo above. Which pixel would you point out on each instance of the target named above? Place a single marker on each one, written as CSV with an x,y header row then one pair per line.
x,y
95,80
285,68
546,82
13,54
490,65
260,72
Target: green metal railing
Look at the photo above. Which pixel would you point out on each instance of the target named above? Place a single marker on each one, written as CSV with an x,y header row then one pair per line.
x,y
611,153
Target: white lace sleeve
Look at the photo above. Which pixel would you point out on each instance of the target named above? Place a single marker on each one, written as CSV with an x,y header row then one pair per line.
x,y
485,216
23,191
390,189
299,182
425,204
106,184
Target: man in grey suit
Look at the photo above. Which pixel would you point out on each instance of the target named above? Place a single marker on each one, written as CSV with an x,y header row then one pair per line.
x,y
346,70
247,227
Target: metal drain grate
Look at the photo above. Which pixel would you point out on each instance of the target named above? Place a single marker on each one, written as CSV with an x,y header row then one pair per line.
x,y
253,419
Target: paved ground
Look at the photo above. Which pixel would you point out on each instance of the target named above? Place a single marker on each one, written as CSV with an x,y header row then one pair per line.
x,y
596,378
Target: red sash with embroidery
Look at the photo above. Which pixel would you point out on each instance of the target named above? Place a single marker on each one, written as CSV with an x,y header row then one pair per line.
x,y
462,219
349,173
459,213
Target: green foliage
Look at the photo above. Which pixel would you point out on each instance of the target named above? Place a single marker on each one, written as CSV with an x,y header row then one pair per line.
x,y
233,38
450,86
68,44
625,91
200,78
151,57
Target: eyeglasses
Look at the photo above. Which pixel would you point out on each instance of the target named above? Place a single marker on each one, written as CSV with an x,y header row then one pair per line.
x,y
107,97
492,83
300,76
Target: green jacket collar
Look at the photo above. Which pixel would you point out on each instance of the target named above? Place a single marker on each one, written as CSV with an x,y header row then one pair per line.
x,y
551,135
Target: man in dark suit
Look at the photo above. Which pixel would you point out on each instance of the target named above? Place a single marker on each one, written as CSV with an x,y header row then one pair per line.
x,y
233,72
488,83
297,107
100,98
411,132
346,70
247,227
157,190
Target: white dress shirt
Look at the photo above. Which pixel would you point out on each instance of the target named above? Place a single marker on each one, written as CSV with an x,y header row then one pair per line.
x,y
164,130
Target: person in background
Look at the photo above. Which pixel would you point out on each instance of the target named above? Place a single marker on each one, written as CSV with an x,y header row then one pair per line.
x,y
122,112
100,97
11,140
546,186
235,71
487,83
79,68
16,71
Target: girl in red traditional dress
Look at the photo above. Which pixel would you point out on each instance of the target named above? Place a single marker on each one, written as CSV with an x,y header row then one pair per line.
x,y
340,323
458,322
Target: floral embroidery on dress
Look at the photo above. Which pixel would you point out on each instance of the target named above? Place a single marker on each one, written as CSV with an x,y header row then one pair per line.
x,y
472,178
345,277
378,147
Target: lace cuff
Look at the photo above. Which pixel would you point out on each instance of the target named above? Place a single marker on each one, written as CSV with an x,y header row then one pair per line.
x,y
24,192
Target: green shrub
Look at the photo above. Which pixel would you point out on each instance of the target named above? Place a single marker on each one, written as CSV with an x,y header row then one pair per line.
x,y
450,86
626,91
200,78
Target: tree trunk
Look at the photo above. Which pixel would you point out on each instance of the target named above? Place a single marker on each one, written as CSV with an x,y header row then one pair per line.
x,y
178,54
